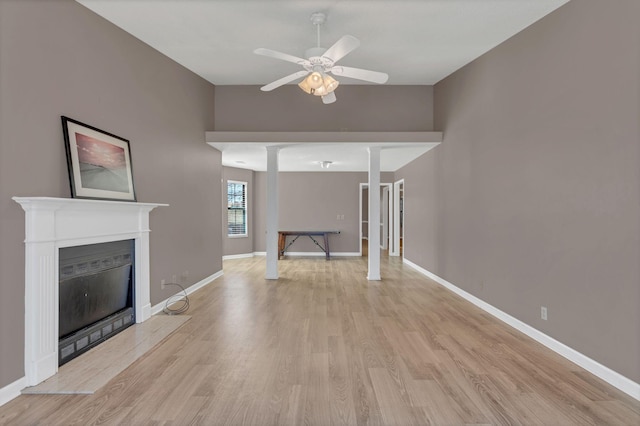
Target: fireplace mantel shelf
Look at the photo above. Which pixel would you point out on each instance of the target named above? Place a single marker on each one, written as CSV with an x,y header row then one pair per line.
x,y
76,218
81,203
53,223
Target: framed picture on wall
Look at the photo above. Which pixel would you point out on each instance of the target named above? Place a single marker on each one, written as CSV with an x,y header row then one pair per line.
x,y
99,163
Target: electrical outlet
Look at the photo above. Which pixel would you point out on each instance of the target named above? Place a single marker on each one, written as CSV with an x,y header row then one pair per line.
x,y
184,276
481,285
543,312
163,283
174,279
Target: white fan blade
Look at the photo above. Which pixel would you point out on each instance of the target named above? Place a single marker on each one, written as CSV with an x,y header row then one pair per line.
x,y
341,48
279,55
329,98
360,74
284,80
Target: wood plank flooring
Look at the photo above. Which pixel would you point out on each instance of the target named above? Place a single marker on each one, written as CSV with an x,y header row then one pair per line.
x,y
324,346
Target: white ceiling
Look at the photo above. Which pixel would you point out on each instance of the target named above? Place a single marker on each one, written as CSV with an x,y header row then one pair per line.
x,y
345,157
414,41
305,151
417,42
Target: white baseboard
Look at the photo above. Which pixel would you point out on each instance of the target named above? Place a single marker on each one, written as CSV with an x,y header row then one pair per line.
x,y
614,378
237,256
160,306
12,390
244,255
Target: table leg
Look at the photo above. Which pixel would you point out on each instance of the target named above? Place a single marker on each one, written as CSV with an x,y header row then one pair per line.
x,y
281,242
326,247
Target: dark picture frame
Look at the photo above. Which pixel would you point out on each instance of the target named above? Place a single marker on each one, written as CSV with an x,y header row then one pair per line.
x,y
99,163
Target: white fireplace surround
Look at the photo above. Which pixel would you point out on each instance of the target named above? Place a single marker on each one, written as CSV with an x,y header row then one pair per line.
x,y
53,223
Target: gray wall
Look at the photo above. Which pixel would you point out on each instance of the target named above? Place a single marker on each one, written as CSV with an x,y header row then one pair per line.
x,y
238,245
533,198
58,58
358,108
313,200
421,198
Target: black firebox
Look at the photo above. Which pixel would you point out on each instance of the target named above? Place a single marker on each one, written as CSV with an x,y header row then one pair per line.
x,y
96,295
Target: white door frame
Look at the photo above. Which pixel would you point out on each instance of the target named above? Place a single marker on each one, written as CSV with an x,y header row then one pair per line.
x,y
386,215
395,247
386,186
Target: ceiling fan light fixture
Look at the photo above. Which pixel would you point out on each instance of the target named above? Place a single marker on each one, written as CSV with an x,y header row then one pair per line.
x,y
329,98
310,84
315,80
304,85
320,91
330,83
314,84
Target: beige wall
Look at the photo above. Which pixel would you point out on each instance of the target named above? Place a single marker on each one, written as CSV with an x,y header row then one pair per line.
x,y
533,198
57,58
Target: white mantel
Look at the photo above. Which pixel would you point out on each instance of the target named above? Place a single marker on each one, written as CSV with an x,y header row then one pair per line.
x,y
52,223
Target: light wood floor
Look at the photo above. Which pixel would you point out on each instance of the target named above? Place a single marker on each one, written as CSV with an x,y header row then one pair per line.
x,y
324,346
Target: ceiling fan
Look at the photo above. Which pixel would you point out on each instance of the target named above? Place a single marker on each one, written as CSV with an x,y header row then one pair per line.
x,y
319,63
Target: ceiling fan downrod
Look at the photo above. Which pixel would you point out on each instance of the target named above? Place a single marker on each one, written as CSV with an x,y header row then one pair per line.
x,y
318,19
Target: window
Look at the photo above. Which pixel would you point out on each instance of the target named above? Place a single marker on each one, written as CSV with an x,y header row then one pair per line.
x,y
236,209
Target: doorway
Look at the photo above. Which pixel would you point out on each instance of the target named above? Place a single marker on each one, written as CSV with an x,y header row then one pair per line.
x,y
398,219
386,217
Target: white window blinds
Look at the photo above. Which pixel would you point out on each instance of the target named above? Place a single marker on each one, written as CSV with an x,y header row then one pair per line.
x,y
236,208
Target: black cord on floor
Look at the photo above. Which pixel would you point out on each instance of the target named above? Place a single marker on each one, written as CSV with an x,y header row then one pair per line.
x,y
181,299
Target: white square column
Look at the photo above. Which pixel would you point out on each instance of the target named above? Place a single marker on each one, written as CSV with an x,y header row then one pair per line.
x,y
374,214
272,213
